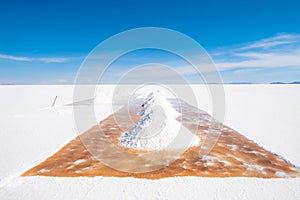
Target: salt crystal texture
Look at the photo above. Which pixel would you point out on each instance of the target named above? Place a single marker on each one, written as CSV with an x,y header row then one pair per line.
x,y
158,127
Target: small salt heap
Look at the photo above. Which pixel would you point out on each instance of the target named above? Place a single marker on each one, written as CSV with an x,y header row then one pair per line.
x,y
158,126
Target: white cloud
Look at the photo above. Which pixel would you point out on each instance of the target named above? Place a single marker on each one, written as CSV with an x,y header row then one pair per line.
x,y
280,39
282,50
264,60
31,59
9,57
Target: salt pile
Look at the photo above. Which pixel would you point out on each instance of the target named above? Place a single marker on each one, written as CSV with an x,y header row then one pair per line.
x,y
158,126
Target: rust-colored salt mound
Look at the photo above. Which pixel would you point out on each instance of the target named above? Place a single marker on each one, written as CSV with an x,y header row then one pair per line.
x,y
232,156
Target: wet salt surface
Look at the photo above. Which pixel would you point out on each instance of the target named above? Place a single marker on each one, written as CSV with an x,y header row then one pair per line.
x,y
232,156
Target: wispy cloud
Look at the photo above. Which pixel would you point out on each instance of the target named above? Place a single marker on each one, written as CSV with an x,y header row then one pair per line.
x,y
290,59
31,59
282,50
278,40
279,53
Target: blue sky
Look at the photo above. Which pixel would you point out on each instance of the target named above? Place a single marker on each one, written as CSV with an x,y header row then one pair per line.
x,y
250,41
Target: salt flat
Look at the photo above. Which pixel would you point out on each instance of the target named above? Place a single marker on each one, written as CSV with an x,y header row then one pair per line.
x,y
130,188
31,131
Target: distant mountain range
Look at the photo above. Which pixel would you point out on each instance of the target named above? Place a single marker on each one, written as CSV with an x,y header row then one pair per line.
x,y
294,82
276,82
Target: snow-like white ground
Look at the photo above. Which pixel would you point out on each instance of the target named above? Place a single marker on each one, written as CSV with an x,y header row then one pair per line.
x,y
47,188
30,131
266,114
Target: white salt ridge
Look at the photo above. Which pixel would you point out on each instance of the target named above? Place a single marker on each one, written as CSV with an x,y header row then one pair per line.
x,y
80,161
158,127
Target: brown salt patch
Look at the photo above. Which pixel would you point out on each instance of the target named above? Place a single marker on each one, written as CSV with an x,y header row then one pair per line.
x,y
246,159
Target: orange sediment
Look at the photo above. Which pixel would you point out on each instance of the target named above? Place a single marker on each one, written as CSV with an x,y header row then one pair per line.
x,y
232,156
